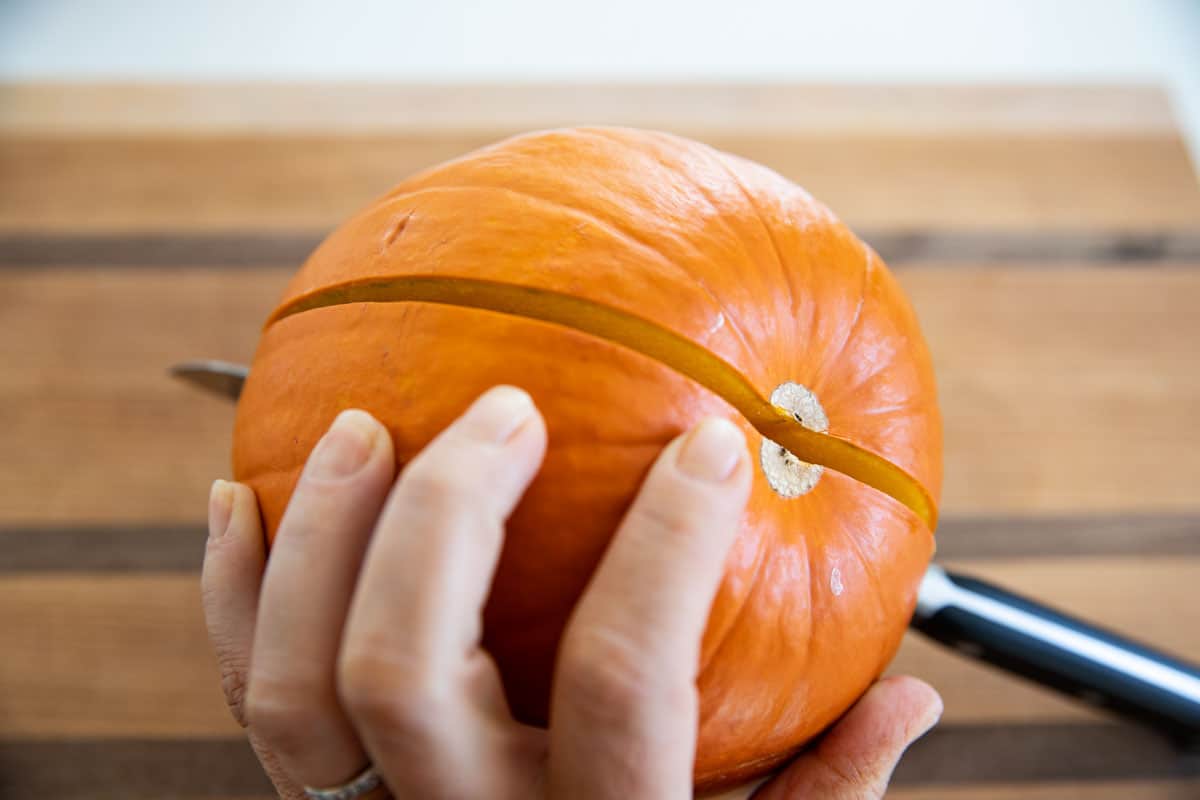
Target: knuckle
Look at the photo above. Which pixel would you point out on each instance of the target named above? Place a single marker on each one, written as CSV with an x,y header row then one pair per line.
x,y
437,478
398,700
607,675
316,488
444,489
283,715
845,777
674,520
233,686
211,596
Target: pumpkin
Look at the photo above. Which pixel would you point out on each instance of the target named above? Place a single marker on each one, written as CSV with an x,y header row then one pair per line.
x,y
634,282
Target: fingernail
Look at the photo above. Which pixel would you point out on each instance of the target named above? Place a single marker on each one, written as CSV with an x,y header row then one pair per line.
x,y
220,508
499,413
347,445
712,450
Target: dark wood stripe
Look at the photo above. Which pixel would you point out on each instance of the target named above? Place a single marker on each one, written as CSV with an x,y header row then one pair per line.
x,y
1081,247
102,548
951,755
232,249
1110,535
180,547
243,249
130,768
1015,753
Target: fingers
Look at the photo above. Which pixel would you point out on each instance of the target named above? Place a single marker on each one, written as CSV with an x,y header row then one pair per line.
x,y
234,559
856,758
292,702
426,700
623,719
233,565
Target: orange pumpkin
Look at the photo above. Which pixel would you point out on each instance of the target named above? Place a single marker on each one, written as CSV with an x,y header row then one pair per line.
x,y
634,282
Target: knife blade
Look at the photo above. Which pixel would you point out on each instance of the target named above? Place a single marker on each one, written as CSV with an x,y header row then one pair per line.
x,y
1002,629
223,378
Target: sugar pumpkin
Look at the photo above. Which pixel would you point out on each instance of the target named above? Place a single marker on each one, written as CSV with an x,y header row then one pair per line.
x,y
634,282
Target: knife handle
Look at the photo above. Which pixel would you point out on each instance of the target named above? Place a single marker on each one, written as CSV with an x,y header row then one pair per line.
x,y
1079,659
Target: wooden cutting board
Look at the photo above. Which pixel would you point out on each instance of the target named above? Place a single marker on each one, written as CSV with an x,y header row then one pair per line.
x,y
1050,239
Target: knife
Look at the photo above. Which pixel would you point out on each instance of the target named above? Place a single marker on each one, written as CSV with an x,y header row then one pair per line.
x,y
995,626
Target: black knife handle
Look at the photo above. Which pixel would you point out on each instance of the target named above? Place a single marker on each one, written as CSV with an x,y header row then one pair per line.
x,y
1059,651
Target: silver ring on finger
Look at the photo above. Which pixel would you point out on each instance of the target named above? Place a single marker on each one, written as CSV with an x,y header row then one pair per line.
x,y
366,781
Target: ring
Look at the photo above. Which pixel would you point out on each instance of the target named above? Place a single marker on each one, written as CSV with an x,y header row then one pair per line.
x,y
364,782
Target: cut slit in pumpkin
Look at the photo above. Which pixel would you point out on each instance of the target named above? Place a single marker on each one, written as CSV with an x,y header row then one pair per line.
x,y
651,340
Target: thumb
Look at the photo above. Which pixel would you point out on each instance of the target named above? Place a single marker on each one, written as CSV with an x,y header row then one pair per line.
x,y
855,759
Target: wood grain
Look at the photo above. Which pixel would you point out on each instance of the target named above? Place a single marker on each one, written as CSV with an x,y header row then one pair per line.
x,y
1061,389
1050,239
58,109
1065,390
1084,755
108,656
167,249
1153,789
958,754
104,654
131,770
172,547
948,182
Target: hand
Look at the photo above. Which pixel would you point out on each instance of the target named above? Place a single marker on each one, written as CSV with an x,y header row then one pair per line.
x,y
358,642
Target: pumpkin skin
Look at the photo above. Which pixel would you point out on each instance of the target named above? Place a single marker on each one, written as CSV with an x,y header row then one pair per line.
x,y
818,589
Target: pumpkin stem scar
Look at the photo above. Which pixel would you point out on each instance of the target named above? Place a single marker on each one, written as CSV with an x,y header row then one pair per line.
x,y
651,340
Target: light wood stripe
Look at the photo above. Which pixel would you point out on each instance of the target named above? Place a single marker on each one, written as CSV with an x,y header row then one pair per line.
x,y
178,547
57,109
873,181
104,654
1038,250
107,655
1063,391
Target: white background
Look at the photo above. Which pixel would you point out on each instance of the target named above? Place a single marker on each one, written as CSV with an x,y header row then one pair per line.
x,y
942,41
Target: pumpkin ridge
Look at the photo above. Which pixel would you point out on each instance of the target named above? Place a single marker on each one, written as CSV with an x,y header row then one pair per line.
x,y
751,583
647,338
758,215
870,569
604,134
611,228
869,259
